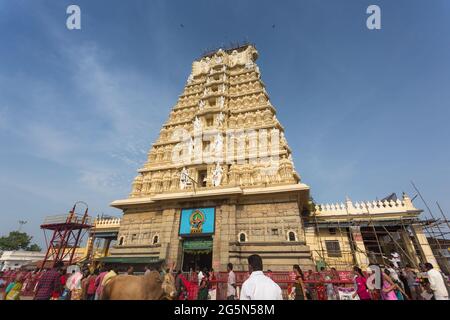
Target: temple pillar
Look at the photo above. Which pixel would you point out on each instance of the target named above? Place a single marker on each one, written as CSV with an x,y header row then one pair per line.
x,y
169,238
89,246
424,246
107,243
225,232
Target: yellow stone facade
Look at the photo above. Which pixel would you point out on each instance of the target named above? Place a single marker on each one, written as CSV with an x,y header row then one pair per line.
x,y
367,232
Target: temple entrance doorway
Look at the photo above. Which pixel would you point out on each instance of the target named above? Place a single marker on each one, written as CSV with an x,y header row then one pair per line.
x,y
197,254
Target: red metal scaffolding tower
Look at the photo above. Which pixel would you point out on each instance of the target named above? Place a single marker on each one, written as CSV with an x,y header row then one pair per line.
x,y
68,231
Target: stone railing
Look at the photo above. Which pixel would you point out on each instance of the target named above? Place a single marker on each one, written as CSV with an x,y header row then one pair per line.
x,y
366,207
107,223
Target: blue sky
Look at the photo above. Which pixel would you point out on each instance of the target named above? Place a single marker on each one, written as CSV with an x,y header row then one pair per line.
x,y
365,111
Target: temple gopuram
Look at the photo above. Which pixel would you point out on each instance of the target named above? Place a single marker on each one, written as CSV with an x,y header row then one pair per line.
x,y
220,184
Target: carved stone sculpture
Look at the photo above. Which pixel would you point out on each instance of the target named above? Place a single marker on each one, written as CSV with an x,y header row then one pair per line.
x,y
217,175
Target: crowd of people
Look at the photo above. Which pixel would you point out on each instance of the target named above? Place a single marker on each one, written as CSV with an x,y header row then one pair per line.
x,y
57,283
387,283
61,283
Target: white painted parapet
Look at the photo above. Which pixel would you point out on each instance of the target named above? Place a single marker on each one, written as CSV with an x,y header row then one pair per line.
x,y
107,223
366,207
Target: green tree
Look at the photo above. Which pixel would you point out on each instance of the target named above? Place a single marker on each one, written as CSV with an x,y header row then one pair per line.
x,y
34,247
17,240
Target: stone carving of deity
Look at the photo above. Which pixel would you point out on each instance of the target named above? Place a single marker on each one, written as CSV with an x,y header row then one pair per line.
x,y
157,181
249,64
191,147
221,102
197,125
190,79
232,121
184,178
137,186
166,180
233,58
283,140
233,175
258,117
267,116
217,175
219,59
175,180
205,92
159,154
218,145
201,105
167,152
222,88
220,118
146,184
199,67
240,120
246,174
285,169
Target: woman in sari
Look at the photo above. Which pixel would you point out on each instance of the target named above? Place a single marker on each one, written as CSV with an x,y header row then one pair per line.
x,y
204,286
361,289
299,285
14,288
388,288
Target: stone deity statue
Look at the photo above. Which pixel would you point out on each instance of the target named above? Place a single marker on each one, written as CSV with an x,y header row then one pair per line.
x,y
197,125
217,175
220,118
184,179
221,102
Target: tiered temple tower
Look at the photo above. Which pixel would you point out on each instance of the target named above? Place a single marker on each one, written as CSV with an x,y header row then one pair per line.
x,y
219,183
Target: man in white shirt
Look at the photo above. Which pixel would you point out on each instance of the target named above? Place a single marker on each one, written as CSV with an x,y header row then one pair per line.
x,y
258,286
393,273
200,276
437,283
231,283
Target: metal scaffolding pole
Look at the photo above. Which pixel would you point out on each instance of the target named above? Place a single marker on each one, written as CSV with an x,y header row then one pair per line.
x,y
429,211
376,237
396,243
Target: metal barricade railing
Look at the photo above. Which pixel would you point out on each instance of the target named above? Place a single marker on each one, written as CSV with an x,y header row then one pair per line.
x,y
218,281
316,288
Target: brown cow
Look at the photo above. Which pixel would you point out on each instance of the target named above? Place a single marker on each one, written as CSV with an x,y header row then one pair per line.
x,y
148,287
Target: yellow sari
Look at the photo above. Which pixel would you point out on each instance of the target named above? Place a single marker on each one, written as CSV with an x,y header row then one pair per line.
x,y
14,293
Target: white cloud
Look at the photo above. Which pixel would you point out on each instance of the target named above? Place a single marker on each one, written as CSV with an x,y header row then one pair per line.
x,y
102,135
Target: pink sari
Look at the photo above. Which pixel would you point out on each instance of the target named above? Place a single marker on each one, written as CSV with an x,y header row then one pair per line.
x,y
388,295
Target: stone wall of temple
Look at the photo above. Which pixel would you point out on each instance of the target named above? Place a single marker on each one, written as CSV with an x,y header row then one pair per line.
x,y
272,227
